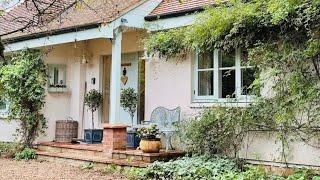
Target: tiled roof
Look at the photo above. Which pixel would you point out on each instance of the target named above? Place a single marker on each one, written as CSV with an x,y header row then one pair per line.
x,y
92,12
167,7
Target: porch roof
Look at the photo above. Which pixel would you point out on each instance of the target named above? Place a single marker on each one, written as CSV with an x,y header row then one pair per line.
x,y
20,23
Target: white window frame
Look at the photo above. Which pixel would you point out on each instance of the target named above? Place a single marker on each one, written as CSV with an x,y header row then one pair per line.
x,y
217,79
63,67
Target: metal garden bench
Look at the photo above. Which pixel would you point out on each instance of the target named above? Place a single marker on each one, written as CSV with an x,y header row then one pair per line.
x,y
165,119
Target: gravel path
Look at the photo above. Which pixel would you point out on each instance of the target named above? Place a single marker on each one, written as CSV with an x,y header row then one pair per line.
x,y
36,170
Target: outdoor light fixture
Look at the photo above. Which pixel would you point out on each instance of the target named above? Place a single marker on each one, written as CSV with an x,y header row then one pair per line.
x,y
123,21
84,59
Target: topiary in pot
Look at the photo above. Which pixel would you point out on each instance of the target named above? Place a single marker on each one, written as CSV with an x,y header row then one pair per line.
x,y
149,142
93,99
129,101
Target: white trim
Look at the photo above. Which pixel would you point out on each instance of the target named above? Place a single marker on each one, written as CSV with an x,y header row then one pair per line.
x,y
134,18
196,78
169,23
238,85
216,76
103,32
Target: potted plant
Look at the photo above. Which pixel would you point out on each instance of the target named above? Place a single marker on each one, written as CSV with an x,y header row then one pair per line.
x,y
149,142
93,99
129,102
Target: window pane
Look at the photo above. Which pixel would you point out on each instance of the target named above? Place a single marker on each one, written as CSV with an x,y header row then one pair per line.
x,y
244,59
3,104
205,83
228,85
205,61
247,75
227,59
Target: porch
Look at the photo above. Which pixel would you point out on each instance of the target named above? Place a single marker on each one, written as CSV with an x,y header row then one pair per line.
x,y
80,154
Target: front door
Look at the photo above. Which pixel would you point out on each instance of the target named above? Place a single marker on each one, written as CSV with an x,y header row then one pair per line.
x,y
106,88
132,75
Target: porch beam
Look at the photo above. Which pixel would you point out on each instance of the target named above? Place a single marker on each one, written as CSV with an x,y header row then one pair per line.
x,y
169,23
115,88
94,33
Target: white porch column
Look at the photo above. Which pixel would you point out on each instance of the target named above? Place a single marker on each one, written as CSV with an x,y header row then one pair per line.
x,y
114,114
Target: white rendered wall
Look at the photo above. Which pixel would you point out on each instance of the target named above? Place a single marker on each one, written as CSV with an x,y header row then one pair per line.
x,y
169,84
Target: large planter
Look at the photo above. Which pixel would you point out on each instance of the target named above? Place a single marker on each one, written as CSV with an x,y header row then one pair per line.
x,y
66,130
132,139
150,145
92,136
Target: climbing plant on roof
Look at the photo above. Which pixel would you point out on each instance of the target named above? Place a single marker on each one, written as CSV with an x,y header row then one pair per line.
x,y
283,39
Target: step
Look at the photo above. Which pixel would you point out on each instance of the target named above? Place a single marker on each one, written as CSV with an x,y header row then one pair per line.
x,y
97,150
78,160
137,155
72,149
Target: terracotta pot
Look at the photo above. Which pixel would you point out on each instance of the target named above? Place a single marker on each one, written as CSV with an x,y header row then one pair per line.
x,y
150,145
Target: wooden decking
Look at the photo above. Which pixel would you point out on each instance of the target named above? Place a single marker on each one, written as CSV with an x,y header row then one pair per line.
x,y
81,153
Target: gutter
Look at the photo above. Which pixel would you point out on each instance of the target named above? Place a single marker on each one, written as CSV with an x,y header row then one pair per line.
x,y
174,14
51,32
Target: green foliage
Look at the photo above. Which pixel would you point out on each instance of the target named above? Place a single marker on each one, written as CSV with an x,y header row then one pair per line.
x,y
23,79
26,154
9,149
89,165
93,99
148,132
283,41
216,132
203,167
129,101
242,24
167,44
187,168
112,169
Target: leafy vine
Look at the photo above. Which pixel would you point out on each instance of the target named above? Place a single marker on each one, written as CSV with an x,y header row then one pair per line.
x,y
282,38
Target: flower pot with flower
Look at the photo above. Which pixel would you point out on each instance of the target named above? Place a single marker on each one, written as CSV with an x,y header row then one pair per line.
x,y
149,142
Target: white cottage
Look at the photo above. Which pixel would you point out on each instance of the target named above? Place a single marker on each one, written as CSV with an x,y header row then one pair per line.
x,y
91,49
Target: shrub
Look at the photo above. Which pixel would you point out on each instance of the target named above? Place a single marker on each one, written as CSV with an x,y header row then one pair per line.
x,y
26,154
219,130
200,167
23,81
203,167
9,149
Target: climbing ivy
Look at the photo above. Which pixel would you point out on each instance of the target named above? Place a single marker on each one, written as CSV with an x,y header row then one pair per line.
x,y
23,78
283,41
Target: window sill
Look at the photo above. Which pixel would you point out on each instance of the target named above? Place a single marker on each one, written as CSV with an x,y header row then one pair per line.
x,y
200,104
3,115
57,90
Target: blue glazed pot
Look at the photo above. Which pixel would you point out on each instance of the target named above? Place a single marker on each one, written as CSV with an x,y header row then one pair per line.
x,y
93,136
133,140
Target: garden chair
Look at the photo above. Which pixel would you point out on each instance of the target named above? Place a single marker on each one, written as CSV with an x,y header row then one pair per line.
x,y
165,119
